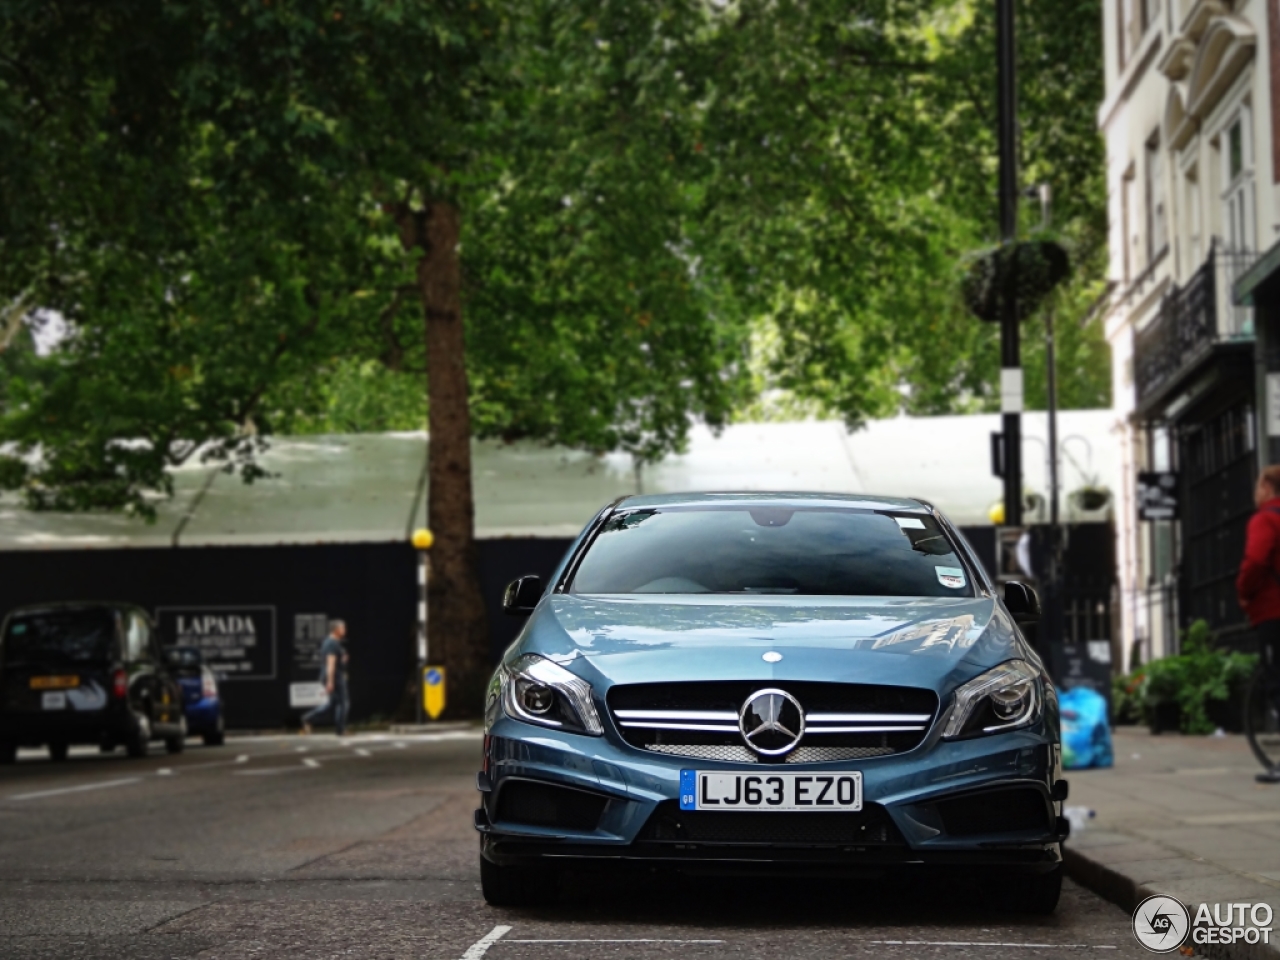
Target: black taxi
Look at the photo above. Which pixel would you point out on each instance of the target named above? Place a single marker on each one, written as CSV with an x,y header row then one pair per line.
x,y
85,673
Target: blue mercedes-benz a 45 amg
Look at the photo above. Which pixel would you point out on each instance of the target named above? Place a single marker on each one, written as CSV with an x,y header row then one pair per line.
x,y
807,682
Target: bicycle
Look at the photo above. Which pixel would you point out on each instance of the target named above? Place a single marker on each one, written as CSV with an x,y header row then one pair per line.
x,y
1262,726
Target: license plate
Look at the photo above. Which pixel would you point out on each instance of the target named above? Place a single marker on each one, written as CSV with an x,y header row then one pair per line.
x,y
704,790
54,683
53,700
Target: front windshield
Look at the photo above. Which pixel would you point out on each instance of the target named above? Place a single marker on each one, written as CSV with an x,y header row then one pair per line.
x,y
753,549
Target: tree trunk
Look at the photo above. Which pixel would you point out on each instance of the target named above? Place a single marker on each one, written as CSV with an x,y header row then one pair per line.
x,y
458,633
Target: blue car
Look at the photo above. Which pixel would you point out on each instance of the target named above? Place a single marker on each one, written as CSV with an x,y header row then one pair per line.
x,y
801,682
200,701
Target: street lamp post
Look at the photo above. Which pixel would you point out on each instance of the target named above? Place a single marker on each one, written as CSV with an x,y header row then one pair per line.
x,y
1010,353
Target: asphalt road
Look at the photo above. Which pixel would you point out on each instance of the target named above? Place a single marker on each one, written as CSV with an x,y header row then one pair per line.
x,y
309,848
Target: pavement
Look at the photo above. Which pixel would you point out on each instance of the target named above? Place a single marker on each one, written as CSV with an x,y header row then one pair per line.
x,y
310,847
1180,816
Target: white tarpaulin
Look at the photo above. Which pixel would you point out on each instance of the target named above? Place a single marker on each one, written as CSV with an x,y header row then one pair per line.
x,y
365,487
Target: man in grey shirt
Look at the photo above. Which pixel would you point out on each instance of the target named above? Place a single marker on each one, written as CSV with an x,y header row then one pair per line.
x,y
333,674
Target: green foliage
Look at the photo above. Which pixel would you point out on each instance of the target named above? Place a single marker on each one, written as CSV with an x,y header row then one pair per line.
x,y
1201,672
671,210
352,396
1126,697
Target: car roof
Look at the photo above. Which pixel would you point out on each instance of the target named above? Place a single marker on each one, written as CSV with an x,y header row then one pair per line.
x,y
75,605
780,499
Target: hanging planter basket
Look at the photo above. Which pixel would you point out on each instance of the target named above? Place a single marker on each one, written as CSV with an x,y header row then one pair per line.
x,y
1027,271
1091,499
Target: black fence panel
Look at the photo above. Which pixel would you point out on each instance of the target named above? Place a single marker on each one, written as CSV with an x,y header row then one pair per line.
x,y
260,612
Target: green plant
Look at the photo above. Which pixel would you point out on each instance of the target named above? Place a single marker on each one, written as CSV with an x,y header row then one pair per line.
x,y
1201,672
1126,697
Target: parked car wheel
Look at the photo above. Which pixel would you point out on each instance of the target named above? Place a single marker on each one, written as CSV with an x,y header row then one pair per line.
x,y
107,747
516,886
58,751
139,741
175,744
1035,894
218,737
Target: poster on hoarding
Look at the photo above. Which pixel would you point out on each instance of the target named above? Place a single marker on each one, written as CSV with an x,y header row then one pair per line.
x,y
237,643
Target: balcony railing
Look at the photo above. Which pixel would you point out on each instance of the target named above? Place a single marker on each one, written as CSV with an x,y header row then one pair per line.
x,y
1191,319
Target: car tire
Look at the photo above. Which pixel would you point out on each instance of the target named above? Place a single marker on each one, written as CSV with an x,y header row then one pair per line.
x,y
58,751
176,743
218,737
108,747
139,740
1028,893
509,886
8,753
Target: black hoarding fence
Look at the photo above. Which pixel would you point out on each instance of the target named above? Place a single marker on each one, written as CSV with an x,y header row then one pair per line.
x,y
260,613
257,613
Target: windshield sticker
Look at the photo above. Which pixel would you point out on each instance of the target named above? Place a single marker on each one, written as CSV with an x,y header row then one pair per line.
x,y
910,523
952,577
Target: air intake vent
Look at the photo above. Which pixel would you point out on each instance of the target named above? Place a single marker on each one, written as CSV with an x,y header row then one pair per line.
x,y
871,826
996,811
546,805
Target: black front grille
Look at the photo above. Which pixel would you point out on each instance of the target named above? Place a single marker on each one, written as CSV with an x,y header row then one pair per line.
x,y
546,805
814,698
995,811
870,826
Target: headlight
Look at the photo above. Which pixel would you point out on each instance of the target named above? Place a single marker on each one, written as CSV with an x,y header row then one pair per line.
x,y
536,690
1000,699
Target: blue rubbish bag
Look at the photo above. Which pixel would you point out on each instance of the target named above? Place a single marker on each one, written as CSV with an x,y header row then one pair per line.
x,y
1086,737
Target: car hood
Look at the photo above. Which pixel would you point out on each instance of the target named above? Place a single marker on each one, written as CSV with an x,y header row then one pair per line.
x,y
910,641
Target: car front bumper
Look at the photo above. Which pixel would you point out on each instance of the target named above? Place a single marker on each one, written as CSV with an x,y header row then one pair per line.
x,y
906,811
203,715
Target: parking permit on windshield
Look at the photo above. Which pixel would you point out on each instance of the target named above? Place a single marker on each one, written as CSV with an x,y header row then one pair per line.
x,y
952,577
910,523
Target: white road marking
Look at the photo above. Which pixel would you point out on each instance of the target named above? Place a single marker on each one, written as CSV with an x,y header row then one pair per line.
x,y
164,772
301,749
310,762
399,746
266,771
243,758
982,943
80,789
481,946
629,940
363,753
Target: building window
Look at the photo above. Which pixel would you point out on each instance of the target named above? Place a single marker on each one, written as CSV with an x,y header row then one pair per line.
x,y
1238,190
1129,225
1195,228
1157,230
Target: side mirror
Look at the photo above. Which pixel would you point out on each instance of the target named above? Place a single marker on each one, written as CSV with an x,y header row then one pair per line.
x,y
521,596
1022,602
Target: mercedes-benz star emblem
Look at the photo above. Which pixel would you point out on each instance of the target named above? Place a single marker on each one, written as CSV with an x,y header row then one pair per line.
x,y
772,722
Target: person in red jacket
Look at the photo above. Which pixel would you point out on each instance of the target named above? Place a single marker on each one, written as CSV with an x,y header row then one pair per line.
x,y
1258,583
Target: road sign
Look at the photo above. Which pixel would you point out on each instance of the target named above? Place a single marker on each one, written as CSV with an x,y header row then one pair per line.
x,y
1157,495
433,691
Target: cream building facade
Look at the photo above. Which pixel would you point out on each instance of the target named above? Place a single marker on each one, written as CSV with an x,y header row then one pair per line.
x,y
1188,121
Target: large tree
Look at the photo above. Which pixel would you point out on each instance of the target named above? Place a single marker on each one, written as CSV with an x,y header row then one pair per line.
x,y
564,217
258,188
